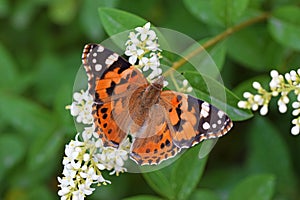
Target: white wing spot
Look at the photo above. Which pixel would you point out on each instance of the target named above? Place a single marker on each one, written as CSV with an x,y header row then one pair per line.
x,y
206,126
214,126
219,121
111,59
100,49
204,113
95,54
204,109
98,67
94,60
220,113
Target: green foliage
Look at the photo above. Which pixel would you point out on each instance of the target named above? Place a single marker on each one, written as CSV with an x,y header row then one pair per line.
x,y
40,54
260,187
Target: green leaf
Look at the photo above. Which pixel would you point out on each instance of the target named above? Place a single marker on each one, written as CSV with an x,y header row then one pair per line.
x,y
254,48
118,23
143,197
12,150
229,11
202,9
159,181
187,172
256,187
284,26
214,92
25,115
268,153
178,180
204,194
8,67
89,18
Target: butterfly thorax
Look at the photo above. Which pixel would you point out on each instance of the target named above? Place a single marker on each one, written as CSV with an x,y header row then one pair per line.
x,y
144,98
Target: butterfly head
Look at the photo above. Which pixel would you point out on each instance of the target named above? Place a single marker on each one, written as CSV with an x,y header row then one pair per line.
x,y
159,83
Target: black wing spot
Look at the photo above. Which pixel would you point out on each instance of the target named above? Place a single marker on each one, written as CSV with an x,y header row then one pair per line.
x,y
104,110
168,143
162,145
134,73
104,116
104,125
110,90
157,160
179,98
178,111
147,150
122,81
172,152
109,131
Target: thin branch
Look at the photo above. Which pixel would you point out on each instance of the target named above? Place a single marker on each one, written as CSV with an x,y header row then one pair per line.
x,y
216,39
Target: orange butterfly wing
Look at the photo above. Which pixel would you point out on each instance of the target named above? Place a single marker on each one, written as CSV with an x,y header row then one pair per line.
x,y
192,120
153,143
111,81
176,121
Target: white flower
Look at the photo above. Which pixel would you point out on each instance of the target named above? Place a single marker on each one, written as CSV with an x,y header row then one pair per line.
x,y
282,106
143,46
185,87
281,86
296,129
154,74
256,85
90,173
84,162
247,95
264,110
150,63
243,104
88,132
133,53
81,108
145,32
133,39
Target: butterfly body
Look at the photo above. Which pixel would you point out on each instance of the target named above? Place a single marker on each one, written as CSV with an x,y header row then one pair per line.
x,y
161,123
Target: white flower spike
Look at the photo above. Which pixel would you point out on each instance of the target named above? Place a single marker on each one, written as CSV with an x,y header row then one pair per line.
x,y
279,85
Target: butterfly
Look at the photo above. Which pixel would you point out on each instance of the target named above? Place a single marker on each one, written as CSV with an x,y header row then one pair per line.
x,y
160,122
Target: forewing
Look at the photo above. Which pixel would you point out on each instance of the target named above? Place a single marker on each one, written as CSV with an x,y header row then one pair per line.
x,y
109,75
111,80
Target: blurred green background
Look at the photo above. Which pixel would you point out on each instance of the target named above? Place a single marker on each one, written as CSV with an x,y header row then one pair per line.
x,y
40,52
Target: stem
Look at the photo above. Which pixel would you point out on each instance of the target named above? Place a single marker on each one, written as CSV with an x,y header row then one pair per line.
x,y
216,39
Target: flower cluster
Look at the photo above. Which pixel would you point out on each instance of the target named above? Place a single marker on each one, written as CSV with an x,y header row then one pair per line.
x,y
142,46
85,158
81,108
279,86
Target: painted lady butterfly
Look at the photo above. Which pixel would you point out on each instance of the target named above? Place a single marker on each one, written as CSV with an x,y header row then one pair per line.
x,y
161,123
